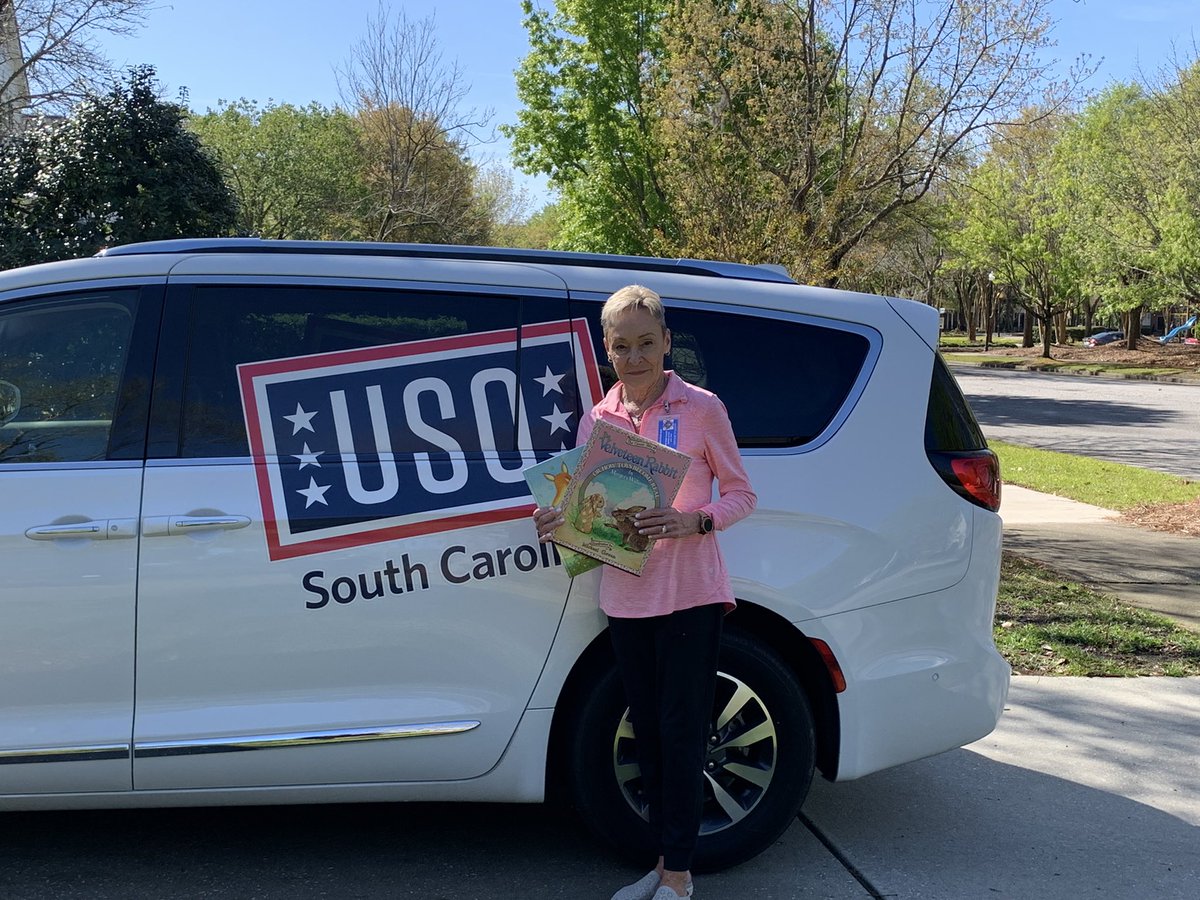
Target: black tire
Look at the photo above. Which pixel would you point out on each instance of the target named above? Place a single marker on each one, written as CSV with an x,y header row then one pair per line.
x,y
763,783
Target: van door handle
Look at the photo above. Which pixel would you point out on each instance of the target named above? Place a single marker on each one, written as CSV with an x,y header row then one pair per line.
x,y
94,530
160,526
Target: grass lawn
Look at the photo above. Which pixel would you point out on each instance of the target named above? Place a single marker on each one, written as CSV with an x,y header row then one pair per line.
x,y
1046,625
1096,481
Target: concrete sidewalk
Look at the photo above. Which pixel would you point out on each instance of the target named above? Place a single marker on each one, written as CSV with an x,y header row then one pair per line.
x,y
1144,568
1087,788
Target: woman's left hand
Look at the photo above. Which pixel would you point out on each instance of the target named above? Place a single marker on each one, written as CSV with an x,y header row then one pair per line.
x,y
667,522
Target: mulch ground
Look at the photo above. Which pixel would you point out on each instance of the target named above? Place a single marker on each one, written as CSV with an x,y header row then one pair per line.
x,y
1149,353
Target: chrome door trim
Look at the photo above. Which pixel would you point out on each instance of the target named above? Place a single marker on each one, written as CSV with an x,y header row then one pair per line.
x,y
57,289
92,753
152,749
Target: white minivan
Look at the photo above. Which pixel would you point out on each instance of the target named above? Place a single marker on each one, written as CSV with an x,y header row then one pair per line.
x,y
265,537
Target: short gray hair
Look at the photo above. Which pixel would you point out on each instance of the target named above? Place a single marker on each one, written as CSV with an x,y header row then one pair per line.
x,y
632,296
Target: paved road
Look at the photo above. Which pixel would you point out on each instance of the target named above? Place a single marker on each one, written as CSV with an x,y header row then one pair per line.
x,y
1138,423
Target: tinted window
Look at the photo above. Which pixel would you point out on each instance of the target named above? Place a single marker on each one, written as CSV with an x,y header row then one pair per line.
x,y
949,422
61,364
782,382
236,325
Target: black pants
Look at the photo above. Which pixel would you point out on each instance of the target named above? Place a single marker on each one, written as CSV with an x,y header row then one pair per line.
x,y
668,665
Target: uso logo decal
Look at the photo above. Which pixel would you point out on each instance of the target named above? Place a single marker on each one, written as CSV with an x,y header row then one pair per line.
x,y
360,446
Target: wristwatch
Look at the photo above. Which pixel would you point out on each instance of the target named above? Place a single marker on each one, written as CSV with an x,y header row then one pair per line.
x,y
706,523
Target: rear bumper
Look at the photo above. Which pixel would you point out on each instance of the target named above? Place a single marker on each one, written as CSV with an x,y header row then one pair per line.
x,y
922,674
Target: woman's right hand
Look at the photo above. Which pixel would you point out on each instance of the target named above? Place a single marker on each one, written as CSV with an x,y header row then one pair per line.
x,y
545,520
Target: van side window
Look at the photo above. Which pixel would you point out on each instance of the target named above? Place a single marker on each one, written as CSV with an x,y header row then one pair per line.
x,y
782,381
238,324
61,364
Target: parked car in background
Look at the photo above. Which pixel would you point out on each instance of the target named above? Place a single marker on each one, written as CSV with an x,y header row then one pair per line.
x,y
1103,337
265,536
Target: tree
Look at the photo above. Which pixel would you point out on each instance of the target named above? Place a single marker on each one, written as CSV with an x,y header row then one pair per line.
x,y
296,172
414,132
586,121
1175,101
1015,225
502,204
795,129
1114,186
120,168
765,130
48,54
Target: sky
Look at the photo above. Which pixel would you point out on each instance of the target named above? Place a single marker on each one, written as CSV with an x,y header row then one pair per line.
x,y
288,50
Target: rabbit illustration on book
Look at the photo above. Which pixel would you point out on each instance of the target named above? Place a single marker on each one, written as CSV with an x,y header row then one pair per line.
x,y
629,529
590,507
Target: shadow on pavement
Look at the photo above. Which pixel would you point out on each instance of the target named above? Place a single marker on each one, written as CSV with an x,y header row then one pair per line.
x,y
1087,788
964,826
1005,409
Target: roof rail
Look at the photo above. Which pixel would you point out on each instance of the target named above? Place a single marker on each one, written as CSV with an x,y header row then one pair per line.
x,y
454,251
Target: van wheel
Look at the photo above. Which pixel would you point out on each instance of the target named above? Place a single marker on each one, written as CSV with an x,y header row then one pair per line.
x,y
757,771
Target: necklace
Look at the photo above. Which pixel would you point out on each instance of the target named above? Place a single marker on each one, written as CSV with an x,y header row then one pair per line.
x,y
637,409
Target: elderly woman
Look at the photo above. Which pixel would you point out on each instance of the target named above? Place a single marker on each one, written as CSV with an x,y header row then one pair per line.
x,y
666,624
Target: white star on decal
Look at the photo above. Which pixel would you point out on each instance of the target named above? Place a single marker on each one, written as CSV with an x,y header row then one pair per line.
x,y
558,420
314,493
301,421
550,382
308,458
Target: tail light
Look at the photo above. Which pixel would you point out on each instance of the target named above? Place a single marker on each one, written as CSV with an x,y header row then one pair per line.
x,y
972,474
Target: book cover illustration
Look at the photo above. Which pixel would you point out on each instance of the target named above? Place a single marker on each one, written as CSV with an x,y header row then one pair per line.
x,y
618,475
548,482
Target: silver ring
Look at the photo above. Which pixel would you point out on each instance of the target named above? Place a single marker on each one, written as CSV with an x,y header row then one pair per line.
x,y
664,531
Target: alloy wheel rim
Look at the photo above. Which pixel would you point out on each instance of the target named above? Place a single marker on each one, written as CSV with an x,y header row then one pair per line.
x,y
739,764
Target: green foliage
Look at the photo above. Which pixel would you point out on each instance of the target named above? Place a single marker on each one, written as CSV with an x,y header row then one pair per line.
x,y
1112,188
586,121
1015,223
296,171
120,168
761,131
539,231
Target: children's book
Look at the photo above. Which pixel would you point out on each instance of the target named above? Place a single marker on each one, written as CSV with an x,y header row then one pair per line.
x,y
618,475
548,482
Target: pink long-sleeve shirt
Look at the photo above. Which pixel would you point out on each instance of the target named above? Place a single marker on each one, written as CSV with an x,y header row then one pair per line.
x,y
681,572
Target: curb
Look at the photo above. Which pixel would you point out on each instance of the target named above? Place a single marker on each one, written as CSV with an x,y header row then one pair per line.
x,y
1055,369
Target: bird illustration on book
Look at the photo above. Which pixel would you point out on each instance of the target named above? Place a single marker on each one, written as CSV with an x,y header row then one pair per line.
x,y
560,481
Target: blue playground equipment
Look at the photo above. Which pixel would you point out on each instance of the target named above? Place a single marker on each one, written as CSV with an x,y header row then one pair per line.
x,y
1178,332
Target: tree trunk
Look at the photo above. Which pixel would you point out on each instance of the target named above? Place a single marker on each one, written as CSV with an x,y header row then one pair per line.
x,y
1061,321
1133,328
1027,337
989,315
1046,322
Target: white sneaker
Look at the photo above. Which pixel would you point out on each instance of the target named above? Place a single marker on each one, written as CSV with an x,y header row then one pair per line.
x,y
643,889
668,893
